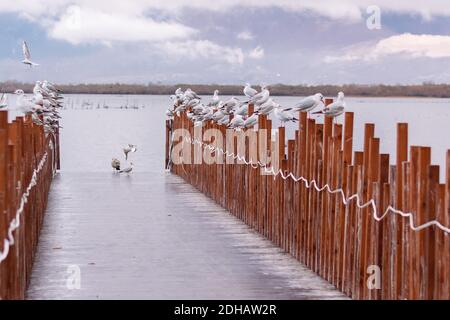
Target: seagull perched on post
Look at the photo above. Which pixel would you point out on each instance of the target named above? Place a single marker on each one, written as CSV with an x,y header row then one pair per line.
x,y
284,115
335,109
115,163
260,98
310,103
215,100
4,101
130,148
249,91
266,108
27,55
237,122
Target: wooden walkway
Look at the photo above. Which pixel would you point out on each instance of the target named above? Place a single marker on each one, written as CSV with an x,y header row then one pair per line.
x,y
152,236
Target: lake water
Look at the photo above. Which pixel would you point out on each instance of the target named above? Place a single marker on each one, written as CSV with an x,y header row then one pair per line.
x,y
96,127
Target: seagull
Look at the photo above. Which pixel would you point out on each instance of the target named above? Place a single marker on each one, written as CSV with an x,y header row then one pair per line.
x,y
335,109
251,121
310,103
242,110
260,98
215,100
128,149
218,115
266,108
191,94
27,55
225,120
4,101
23,103
284,115
127,170
115,163
237,122
249,91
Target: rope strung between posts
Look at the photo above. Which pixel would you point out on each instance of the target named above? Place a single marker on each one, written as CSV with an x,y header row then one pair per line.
x,y
312,183
15,223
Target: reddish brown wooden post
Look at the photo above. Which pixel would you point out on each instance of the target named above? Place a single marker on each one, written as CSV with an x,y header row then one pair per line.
x,y
3,205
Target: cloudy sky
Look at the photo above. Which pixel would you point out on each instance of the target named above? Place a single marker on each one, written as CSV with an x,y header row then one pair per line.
x,y
227,41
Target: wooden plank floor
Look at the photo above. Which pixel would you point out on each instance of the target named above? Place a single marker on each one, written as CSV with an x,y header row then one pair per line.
x,y
152,236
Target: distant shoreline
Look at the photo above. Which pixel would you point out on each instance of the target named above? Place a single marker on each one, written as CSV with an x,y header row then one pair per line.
x,y
426,90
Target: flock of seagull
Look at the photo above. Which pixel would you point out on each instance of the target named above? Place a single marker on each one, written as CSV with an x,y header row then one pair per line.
x,y
115,163
43,106
233,112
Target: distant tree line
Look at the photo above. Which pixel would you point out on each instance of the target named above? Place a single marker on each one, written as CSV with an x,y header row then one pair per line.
x,y
422,90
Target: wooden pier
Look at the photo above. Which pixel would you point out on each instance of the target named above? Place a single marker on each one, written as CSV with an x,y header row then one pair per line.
x,y
342,242
149,235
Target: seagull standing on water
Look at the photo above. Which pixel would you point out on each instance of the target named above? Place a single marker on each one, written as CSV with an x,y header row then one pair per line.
x,y
127,170
130,148
115,163
27,55
335,109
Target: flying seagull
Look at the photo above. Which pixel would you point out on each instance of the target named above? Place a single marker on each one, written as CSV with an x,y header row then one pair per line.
x,y
27,55
128,149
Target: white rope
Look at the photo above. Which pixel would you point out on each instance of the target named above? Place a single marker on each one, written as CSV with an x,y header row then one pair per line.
x,y
309,184
15,223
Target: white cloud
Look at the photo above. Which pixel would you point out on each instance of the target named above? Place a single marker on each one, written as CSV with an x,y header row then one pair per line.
x,y
411,45
82,25
431,46
245,35
348,9
257,53
195,49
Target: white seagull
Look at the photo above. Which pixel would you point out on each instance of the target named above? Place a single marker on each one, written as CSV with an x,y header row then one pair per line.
x,y
249,91
267,107
215,100
128,149
335,109
127,170
260,98
310,103
237,122
27,55
4,101
284,115
251,121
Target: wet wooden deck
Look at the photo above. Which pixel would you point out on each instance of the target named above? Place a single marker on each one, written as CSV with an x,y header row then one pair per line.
x,y
152,236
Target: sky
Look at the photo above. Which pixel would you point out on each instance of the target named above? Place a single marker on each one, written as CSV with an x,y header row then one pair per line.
x,y
227,41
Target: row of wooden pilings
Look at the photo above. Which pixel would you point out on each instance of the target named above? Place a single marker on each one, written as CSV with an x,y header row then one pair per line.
x,y
362,257
23,145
